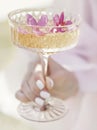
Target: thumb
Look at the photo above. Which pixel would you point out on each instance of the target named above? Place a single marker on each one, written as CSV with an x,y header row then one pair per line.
x,y
49,83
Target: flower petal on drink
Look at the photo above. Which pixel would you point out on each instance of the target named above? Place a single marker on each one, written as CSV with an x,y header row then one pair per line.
x,y
43,20
56,19
61,20
31,20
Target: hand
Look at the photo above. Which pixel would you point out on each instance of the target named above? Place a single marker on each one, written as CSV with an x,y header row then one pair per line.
x,y
65,82
59,83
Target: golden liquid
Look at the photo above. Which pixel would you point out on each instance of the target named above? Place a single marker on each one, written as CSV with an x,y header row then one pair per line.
x,y
48,41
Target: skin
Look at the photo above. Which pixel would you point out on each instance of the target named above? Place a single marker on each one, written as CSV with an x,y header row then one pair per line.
x,y
65,83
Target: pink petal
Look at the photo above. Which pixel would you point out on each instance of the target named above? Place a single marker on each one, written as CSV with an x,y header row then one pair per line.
x,y
43,20
68,22
31,20
61,21
28,16
56,19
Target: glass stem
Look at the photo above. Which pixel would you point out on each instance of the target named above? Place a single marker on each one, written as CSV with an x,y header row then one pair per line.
x,y
44,62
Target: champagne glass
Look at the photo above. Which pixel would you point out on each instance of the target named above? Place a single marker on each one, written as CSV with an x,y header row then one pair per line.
x,y
46,32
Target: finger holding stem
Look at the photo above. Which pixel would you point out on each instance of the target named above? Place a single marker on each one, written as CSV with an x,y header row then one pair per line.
x,y
44,66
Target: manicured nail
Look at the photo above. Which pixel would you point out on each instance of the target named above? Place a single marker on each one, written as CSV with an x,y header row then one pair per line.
x,y
39,84
39,101
38,68
49,82
44,94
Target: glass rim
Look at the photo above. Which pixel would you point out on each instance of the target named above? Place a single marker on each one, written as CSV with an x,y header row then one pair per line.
x,y
13,12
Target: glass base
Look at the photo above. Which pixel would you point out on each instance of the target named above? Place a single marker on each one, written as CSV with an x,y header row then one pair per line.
x,y
54,111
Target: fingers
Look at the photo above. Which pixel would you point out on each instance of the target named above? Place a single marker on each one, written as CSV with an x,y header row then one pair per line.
x,y
49,83
35,89
54,67
20,96
36,82
26,89
40,86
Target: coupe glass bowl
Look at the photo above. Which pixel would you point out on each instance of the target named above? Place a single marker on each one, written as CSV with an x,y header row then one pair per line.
x,y
23,34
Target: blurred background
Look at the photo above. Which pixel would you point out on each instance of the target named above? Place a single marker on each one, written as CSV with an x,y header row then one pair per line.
x,y
10,62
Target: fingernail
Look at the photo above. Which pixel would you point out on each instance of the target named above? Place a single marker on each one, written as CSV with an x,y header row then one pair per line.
x,y
39,101
38,68
50,82
44,94
39,84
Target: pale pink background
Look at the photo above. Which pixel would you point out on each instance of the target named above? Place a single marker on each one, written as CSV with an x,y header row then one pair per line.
x,y
83,59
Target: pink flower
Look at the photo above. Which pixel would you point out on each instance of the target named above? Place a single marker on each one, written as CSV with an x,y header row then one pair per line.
x,y
36,24
59,21
41,22
31,20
